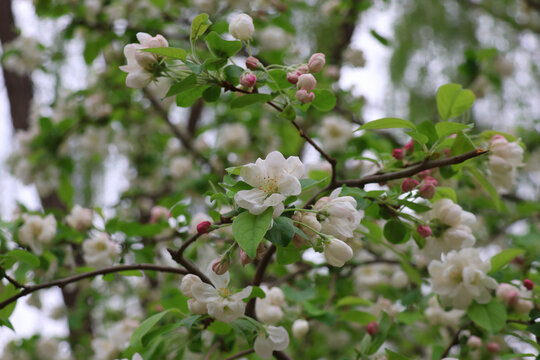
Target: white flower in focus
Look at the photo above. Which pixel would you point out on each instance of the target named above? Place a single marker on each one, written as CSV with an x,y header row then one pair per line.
x,y
232,136
454,238
273,179
99,251
338,215
80,218
334,133
460,278
37,231
180,167
187,283
437,316
140,63
241,27
300,327
220,302
274,38
275,339
337,252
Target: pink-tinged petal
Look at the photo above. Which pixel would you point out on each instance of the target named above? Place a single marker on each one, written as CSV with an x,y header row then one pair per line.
x,y
144,38
130,51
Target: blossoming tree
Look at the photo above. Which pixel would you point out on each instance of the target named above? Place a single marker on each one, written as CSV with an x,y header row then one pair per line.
x,y
264,218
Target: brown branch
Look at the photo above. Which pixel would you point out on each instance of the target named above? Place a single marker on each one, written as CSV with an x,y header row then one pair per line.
x,y
178,133
15,283
455,339
108,270
240,354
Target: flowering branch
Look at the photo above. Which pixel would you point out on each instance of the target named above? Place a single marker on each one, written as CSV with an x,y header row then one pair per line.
x,y
108,270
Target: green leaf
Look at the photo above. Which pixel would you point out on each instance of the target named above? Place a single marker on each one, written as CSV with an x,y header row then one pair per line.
x,y
146,326
8,292
490,316
419,208
390,355
353,301
219,327
211,94
256,292
187,98
233,73
185,84
453,101
199,25
249,230
380,337
324,101
287,255
282,232
66,190
445,192
280,78
384,41
396,232
428,129
503,258
357,316
24,256
419,137
462,144
288,113
174,53
248,99
221,47
487,186
387,123
446,128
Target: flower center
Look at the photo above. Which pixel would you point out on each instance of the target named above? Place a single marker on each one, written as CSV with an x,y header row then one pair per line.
x,y
224,292
269,186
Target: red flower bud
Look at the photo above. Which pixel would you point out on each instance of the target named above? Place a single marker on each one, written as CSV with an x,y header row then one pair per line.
x,y
408,184
409,147
204,227
424,231
430,180
248,79
398,154
529,285
423,174
493,347
372,328
252,63
316,62
292,76
427,190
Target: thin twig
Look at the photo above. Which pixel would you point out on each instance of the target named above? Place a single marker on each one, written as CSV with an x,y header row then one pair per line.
x,y
15,283
240,354
108,270
455,339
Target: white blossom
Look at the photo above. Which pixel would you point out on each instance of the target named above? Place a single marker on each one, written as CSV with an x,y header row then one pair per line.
x,y
300,327
455,238
80,218
273,179
99,250
338,215
275,339
37,231
450,213
221,302
241,27
437,316
140,63
180,167
268,310
461,277
504,159
337,252
334,133
232,136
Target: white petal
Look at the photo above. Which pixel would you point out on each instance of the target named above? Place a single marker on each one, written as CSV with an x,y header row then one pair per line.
x,y
295,167
204,292
143,38
252,174
275,164
279,336
252,200
263,347
289,185
242,294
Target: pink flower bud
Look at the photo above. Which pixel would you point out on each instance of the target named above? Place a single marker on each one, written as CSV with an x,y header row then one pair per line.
x,y
430,180
372,328
316,62
529,285
248,79
292,76
423,174
493,347
305,97
252,63
511,298
244,258
498,137
424,231
398,154
204,227
427,190
303,69
159,213
408,184
220,267
446,152
306,82
409,147
474,342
